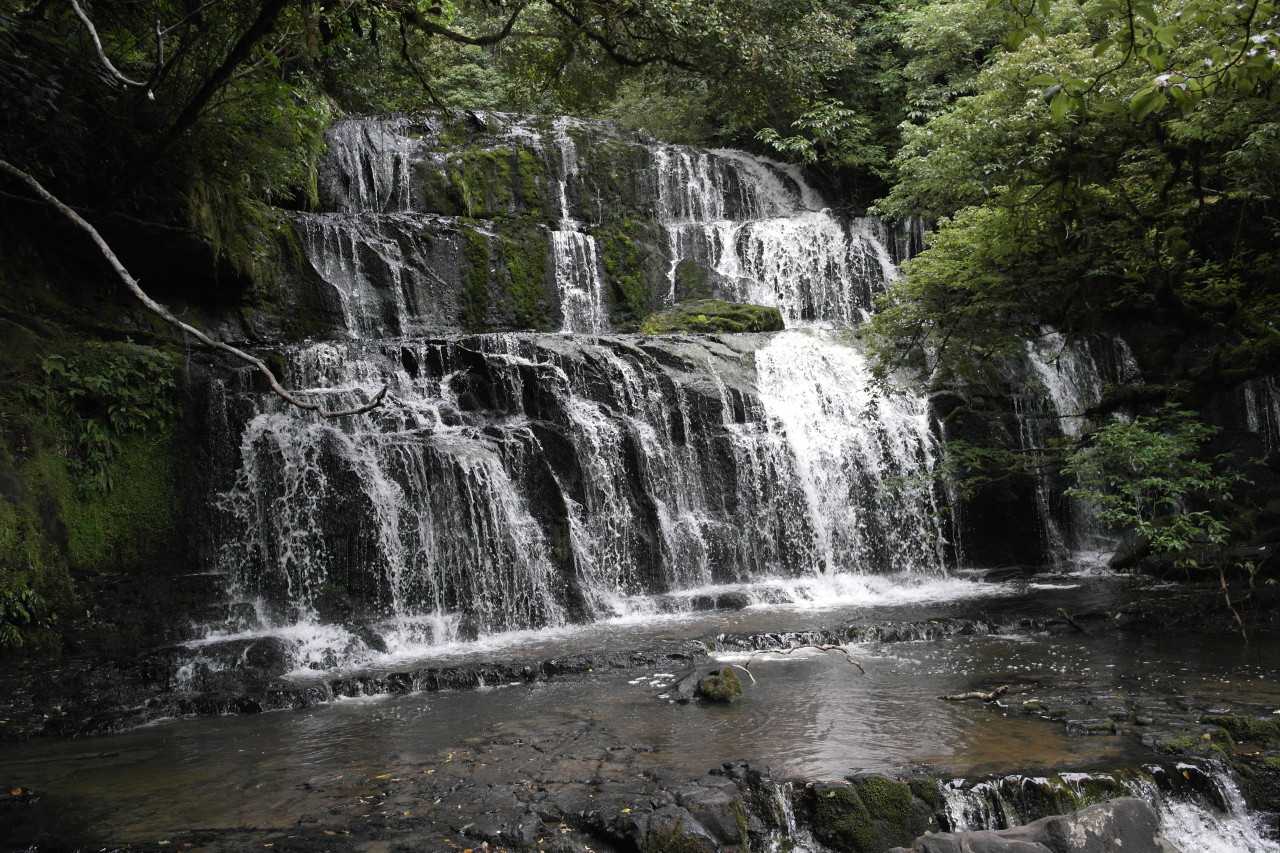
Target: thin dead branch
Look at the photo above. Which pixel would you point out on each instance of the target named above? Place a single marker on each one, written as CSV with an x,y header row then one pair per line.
x,y
978,694
840,649
164,313
102,53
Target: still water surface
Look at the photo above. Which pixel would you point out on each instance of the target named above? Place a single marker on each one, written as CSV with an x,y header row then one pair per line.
x,y
809,714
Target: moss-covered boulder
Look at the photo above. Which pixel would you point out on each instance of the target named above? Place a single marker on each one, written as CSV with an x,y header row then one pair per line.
x,y
712,315
870,815
724,686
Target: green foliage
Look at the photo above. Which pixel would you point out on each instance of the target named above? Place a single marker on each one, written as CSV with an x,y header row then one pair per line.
x,y
831,132
1185,50
1145,476
102,393
26,580
1038,170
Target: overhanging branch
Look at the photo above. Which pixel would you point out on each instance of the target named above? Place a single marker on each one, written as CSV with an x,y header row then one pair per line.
x,y
164,313
102,53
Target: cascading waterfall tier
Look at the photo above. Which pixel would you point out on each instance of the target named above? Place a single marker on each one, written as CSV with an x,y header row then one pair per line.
x,y
1200,807
520,481
1065,380
492,221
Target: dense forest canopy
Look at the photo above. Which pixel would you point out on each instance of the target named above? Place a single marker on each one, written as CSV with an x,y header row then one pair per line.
x,y
1107,165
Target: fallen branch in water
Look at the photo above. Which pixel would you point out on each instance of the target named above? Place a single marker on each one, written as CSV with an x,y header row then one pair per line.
x,y
1070,620
978,694
164,313
840,649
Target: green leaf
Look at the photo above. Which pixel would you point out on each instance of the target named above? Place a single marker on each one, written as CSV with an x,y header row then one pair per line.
x,y
1058,107
1146,102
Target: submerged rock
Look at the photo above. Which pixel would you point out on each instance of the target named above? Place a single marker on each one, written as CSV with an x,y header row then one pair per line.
x,y
713,315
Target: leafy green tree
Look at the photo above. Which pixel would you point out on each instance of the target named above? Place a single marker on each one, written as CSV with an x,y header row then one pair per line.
x,y
1147,477
1130,211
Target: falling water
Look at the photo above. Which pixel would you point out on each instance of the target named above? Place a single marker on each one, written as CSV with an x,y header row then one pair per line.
x,y
1068,383
520,481
1200,808
1262,410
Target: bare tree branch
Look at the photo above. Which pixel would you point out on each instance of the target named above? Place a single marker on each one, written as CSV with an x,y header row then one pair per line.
x,y
102,54
167,316
978,694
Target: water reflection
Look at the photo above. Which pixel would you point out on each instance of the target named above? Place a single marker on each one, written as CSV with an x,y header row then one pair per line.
x,y
809,714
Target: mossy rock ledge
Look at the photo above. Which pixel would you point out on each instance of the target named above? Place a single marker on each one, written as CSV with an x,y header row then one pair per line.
x,y
712,315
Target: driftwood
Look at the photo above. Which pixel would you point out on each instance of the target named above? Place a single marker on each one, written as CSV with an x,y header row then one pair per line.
x,y
978,694
1067,617
164,313
840,649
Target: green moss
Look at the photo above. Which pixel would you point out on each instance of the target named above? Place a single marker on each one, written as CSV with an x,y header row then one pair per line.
x,y
926,790
132,526
692,281
505,280
525,297
34,583
874,814
1245,728
623,265
474,304
740,815
483,180
1271,763
885,799
724,687
1218,742
842,821
529,190
712,315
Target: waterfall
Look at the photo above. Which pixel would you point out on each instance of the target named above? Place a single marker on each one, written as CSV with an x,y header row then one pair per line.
x,y
859,455
1066,381
522,481
516,481
575,256
755,229
1200,808
1262,410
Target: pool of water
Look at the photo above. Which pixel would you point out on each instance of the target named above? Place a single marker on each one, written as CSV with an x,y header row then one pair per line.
x,y
809,714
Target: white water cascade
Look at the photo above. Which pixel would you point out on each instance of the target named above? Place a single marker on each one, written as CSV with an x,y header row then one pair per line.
x,y
1067,381
1200,808
524,481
